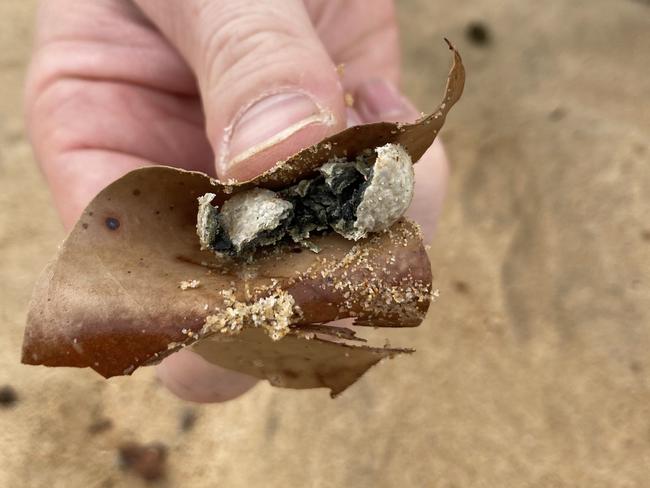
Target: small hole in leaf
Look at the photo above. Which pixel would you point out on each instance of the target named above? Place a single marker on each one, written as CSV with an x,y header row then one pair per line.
x,y
112,223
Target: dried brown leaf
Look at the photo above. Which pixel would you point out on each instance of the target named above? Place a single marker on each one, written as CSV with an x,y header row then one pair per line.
x,y
111,299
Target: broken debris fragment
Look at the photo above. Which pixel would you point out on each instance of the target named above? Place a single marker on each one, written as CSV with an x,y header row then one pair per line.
x,y
351,197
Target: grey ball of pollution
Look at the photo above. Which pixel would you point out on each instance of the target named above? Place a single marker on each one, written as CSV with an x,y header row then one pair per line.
x,y
354,198
388,194
255,217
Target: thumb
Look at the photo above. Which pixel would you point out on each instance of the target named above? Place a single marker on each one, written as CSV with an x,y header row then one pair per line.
x,y
267,83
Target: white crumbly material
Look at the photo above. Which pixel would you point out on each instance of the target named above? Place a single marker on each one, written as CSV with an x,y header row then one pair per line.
x,y
205,221
389,194
247,214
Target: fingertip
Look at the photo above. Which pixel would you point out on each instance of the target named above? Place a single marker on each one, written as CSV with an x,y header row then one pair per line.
x,y
431,176
353,117
259,160
379,100
190,377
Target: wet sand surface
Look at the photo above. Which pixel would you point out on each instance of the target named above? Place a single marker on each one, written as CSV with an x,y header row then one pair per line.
x,y
532,368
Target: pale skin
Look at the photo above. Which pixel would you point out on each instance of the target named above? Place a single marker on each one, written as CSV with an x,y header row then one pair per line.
x,y
227,87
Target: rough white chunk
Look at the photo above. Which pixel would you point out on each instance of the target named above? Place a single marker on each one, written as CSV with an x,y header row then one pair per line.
x,y
206,222
389,194
247,214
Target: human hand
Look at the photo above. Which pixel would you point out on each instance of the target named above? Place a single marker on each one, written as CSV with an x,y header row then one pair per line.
x,y
226,87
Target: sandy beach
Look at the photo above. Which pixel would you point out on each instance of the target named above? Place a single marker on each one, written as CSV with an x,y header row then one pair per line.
x,y
533,366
